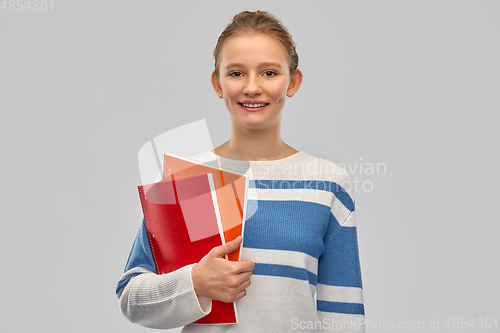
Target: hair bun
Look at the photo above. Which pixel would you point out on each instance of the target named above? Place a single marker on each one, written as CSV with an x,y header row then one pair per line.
x,y
246,13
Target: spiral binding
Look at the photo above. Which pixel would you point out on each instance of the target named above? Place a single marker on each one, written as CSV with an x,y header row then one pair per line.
x,y
141,195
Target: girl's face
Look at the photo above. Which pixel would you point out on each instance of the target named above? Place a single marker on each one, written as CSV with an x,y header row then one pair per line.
x,y
254,80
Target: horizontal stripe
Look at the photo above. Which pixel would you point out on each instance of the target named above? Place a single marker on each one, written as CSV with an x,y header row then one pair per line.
x,y
288,225
300,166
319,197
280,257
318,185
341,307
285,271
339,294
274,301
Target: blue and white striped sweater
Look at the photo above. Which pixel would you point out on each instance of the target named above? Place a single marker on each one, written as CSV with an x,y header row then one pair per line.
x,y
301,233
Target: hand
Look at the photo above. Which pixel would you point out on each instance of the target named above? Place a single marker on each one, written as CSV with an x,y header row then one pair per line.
x,y
217,278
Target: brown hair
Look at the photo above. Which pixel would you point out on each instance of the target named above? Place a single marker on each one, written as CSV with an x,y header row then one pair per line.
x,y
260,22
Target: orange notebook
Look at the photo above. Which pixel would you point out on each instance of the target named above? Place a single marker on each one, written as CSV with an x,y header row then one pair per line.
x,y
183,224
231,189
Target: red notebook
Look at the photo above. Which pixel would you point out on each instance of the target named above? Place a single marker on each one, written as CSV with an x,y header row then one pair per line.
x,y
183,223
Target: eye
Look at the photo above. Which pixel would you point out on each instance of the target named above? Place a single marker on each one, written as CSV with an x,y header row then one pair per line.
x,y
235,74
270,73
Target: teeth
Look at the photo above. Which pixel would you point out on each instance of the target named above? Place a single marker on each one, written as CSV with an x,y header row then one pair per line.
x,y
253,105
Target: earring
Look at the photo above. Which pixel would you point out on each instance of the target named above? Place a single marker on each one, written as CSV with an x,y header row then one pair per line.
x,y
220,95
289,94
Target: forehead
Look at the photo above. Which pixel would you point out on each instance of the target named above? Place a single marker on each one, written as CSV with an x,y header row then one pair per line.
x,y
251,49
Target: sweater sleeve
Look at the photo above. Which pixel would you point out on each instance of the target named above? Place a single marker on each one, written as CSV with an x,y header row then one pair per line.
x,y
339,289
157,300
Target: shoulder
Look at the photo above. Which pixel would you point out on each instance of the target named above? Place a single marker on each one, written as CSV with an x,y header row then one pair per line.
x,y
324,169
332,174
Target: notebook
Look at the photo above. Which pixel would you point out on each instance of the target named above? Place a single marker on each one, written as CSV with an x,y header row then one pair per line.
x,y
183,222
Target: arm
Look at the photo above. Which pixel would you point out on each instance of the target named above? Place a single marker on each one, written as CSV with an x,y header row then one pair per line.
x,y
178,298
339,290
157,301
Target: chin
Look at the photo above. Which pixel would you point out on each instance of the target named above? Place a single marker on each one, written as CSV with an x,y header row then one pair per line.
x,y
259,125
256,122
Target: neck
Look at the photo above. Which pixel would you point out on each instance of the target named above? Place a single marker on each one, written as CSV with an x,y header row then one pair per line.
x,y
255,145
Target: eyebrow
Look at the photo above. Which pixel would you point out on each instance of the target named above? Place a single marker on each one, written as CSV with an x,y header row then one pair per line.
x,y
264,64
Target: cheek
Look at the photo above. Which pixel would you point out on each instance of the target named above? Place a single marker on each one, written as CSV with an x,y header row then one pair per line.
x,y
278,91
230,91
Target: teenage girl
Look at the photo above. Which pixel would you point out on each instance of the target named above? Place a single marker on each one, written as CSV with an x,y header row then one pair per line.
x,y
300,266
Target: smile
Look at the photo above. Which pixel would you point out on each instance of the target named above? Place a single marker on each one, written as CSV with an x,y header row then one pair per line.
x,y
259,105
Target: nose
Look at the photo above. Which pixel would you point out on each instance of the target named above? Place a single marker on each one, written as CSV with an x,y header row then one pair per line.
x,y
252,86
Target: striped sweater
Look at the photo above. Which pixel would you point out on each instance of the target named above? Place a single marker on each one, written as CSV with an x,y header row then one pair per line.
x,y
300,231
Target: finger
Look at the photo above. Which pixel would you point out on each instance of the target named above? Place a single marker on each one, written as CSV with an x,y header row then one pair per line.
x,y
243,291
245,276
245,265
245,284
224,249
240,295
238,267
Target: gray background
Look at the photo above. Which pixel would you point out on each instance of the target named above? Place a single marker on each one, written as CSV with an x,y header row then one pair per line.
x,y
411,85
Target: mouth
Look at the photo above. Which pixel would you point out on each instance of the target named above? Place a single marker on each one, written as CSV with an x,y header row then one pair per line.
x,y
253,106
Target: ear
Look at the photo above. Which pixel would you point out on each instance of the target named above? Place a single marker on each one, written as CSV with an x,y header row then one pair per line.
x,y
295,82
216,84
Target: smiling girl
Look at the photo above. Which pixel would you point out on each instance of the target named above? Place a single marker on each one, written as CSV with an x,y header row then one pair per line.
x,y
300,266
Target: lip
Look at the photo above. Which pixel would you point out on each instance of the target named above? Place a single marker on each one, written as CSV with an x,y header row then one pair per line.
x,y
249,101
252,102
